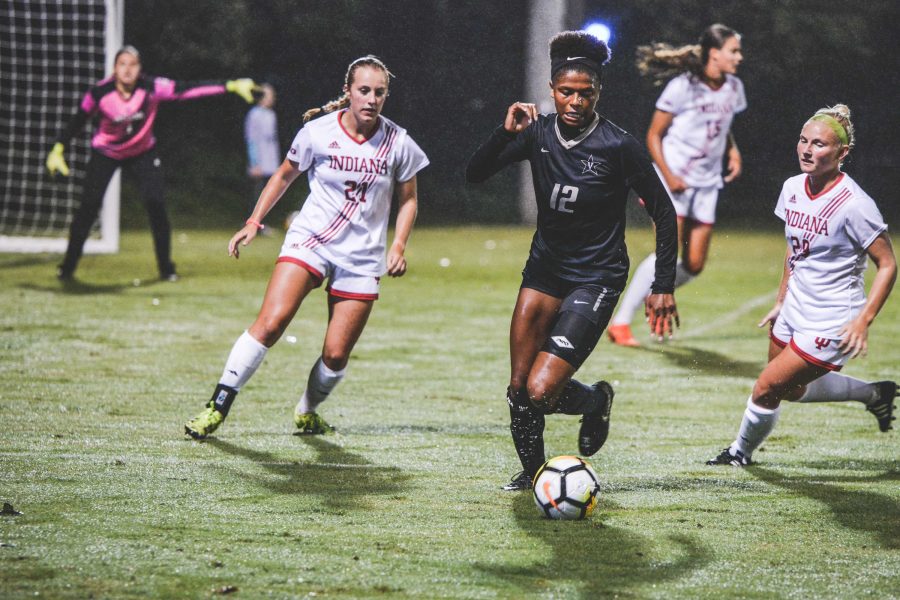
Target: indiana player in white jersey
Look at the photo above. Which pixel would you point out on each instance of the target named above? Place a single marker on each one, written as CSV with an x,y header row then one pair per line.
x,y
354,159
688,136
822,315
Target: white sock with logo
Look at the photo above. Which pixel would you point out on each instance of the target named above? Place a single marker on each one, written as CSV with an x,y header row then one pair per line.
x,y
636,293
322,381
757,424
245,357
835,387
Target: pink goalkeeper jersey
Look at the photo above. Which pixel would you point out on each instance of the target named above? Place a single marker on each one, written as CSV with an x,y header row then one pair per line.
x,y
345,217
828,235
125,127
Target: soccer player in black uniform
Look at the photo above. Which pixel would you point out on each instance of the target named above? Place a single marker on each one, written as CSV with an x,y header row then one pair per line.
x,y
582,167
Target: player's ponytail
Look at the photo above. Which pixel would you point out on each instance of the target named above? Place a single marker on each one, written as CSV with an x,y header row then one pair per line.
x,y
661,61
344,100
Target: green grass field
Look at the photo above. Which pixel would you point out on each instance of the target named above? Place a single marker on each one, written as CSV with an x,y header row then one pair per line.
x,y
403,502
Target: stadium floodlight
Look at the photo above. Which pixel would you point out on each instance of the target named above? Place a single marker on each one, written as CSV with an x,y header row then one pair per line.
x,y
51,53
599,30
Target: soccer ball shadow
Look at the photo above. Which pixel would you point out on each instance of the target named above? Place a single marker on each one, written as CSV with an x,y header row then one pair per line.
x,y
596,559
341,480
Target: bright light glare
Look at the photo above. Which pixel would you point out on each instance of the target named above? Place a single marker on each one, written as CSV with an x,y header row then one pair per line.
x,y
598,30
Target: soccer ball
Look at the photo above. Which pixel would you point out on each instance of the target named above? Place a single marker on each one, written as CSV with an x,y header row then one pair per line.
x,y
566,487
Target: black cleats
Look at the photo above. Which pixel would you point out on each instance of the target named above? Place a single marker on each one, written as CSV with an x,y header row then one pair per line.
x,y
727,458
595,426
520,481
883,408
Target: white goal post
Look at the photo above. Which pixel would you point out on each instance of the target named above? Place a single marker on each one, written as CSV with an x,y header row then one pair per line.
x,y
51,53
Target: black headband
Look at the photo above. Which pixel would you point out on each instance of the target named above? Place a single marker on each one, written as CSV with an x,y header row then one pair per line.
x,y
570,61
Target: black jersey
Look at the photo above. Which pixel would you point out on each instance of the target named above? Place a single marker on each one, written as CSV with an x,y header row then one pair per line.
x,y
581,186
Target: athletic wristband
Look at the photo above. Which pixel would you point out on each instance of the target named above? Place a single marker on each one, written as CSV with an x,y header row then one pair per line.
x,y
259,225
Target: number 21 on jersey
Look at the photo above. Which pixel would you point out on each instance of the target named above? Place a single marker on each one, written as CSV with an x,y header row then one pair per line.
x,y
562,196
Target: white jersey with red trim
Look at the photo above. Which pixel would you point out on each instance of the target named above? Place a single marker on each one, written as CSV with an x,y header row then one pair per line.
x,y
828,235
695,142
351,183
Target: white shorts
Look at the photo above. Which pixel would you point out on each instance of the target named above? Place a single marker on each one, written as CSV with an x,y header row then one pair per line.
x,y
695,203
341,282
820,351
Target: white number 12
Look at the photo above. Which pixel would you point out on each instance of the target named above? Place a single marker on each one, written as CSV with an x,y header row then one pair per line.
x,y
569,195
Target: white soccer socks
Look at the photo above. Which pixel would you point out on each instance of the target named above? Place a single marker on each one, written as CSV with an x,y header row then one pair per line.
x,y
246,356
636,293
682,275
640,286
322,381
757,424
836,387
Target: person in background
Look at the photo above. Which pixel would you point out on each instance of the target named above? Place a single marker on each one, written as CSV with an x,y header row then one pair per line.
x,y
126,105
822,315
688,137
261,135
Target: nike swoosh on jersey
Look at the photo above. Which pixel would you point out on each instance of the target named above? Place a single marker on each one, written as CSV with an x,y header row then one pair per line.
x,y
544,150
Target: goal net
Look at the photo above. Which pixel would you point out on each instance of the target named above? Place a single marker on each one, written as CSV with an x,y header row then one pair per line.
x,y
51,52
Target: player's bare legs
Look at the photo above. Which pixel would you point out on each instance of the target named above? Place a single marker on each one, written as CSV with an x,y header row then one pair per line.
x,y
346,320
695,239
784,378
287,288
532,321
547,379
289,285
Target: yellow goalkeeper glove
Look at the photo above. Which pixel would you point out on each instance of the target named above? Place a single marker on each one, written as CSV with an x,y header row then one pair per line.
x,y
56,161
243,88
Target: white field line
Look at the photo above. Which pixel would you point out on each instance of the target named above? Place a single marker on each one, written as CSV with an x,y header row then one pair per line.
x,y
740,311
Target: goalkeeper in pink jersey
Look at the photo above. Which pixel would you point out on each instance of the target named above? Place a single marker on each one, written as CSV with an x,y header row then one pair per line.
x,y
125,106
822,315
354,159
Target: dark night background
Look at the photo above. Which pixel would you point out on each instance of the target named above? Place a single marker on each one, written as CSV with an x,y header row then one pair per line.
x,y
458,66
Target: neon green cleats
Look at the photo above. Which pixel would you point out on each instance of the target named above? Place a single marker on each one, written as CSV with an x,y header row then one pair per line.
x,y
311,424
204,424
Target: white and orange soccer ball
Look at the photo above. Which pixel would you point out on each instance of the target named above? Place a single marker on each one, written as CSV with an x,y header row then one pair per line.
x,y
566,487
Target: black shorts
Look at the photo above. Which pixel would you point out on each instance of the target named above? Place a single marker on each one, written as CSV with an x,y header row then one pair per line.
x,y
583,315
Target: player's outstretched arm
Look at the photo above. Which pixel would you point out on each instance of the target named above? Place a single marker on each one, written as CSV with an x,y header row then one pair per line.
x,y
855,334
243,87
278,183
408,202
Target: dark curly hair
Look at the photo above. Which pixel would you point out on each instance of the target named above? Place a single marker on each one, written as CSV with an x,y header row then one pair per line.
x,y
568,44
